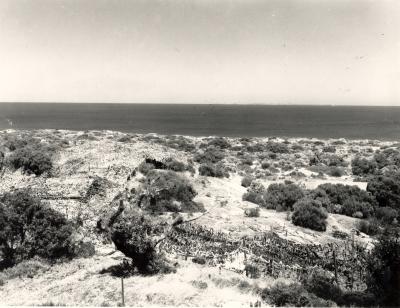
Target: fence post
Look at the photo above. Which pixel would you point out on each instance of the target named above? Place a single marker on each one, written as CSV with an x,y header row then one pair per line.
x,y
122,292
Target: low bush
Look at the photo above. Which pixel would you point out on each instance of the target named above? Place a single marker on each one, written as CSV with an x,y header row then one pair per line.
x,y
265,164
293,294
252,271
308,214
209,156
246,181
357,299
386,214
28,229
199,260
200,284
329,149
136,236
145,168
277,147
25,269
167,191
370,227
213,170
253,212
386,190
362,166
350,198
336,172
31,159
282,197
322,285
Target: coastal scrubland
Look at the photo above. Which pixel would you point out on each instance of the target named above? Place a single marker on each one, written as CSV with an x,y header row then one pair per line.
x,y
197,221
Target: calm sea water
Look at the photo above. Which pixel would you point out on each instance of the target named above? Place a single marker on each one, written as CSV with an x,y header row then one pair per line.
x,y
205,120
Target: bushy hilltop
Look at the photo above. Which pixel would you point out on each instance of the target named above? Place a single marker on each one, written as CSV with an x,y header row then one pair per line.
x,y
305,191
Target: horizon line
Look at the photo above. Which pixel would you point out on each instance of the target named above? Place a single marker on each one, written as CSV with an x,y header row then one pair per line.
x,y
216,104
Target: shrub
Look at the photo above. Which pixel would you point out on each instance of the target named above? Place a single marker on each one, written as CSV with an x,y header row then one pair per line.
x,y
218,142
134,235
329,149
25,269
308,214
386,214
200,284
167,191
145,168
362,166
174,165
383,268
323,286
282,197
246,181
213,170
210,155
277,147
370,227
199,260
336,172
294,294
253,212
386,190
252,271
357,299
265,165
351,198
352,206
31,160
28,229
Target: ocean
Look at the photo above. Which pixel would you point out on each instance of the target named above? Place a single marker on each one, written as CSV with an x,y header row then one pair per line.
x,y
351,122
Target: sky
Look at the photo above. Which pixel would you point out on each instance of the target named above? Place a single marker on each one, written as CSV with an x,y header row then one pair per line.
x,y
344,52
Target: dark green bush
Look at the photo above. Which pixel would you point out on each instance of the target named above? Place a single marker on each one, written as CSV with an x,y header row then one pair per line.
x,y
308,214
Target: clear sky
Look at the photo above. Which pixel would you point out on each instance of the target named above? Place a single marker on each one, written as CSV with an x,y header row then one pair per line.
x,y
208,51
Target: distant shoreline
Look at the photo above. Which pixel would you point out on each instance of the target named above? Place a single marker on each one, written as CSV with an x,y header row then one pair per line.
x,y
323,122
